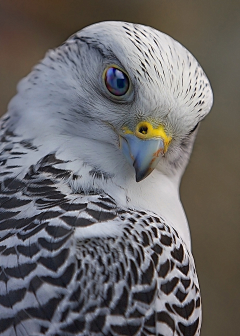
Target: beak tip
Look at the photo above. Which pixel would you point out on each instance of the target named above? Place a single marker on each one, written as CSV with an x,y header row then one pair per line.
x,y
138,179
141,175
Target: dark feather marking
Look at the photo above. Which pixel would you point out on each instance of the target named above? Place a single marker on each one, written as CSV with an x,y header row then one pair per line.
x,y
189,330
164,317
186,310
168,287
12,297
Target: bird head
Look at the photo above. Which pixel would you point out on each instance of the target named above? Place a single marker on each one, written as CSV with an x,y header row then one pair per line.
x,y
125,85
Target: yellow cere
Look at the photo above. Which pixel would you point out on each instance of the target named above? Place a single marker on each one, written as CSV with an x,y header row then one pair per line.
x,y
145,131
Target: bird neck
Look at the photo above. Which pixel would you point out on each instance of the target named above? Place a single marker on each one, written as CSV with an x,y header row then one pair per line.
x,y
157,193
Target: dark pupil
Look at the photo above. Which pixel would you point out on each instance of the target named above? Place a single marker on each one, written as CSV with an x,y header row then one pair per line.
x,y
116,81
120,83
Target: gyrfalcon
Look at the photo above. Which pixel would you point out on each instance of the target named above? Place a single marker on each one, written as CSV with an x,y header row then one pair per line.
x,y
93,236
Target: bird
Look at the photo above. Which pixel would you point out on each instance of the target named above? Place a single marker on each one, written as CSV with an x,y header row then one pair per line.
x,y
94,239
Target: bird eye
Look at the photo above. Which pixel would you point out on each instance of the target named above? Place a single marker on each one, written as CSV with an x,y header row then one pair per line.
x,y
116,81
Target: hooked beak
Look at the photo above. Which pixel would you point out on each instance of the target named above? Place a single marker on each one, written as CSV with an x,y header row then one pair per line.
x,y
144,148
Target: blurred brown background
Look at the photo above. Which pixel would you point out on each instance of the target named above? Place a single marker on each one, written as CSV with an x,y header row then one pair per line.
x,y
210,29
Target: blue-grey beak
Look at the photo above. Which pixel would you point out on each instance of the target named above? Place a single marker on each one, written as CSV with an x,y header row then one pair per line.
x,y
143,154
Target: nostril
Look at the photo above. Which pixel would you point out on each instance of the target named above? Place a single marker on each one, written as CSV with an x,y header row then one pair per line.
x,y
143,129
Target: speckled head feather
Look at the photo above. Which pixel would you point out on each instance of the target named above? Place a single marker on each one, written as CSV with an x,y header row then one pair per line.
x,y
167,81
84,248
162,70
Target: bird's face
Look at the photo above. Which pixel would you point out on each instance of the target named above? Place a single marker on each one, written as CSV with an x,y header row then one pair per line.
x,y
132,87
144,143
151,93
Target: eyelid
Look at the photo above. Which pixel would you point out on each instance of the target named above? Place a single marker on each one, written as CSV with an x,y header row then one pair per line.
x,y
112,65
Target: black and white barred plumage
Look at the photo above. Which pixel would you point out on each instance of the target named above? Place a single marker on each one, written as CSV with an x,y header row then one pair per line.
x,y
85,249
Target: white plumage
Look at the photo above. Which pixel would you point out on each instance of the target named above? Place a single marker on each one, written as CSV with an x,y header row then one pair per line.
x,y
85,249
